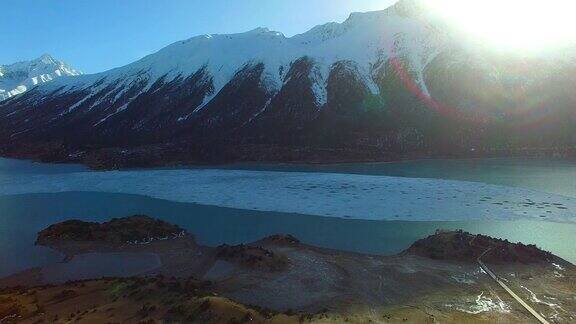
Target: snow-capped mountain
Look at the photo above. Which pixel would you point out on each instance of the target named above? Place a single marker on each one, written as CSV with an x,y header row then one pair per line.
x,y
18,77
382,83
363,40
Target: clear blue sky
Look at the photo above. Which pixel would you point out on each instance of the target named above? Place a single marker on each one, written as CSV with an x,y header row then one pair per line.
x,y
96,35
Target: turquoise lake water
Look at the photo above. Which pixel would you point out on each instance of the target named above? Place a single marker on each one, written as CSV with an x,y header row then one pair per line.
x,y
22,216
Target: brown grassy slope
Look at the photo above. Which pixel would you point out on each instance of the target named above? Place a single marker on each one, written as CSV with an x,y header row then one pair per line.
x,y
134,300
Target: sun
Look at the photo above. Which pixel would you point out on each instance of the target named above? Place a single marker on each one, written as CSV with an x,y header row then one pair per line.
x,y
511,24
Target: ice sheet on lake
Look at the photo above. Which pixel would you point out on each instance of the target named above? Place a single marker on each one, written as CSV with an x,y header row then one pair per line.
x,y
325,194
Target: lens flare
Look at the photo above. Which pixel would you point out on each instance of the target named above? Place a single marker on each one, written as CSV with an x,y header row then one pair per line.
x,y
511,24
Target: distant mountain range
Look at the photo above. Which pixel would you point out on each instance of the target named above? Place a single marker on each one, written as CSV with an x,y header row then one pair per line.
x,y
381,85
16,78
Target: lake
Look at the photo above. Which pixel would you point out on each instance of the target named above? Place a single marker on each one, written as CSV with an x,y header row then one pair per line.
x,y
23,215
548,175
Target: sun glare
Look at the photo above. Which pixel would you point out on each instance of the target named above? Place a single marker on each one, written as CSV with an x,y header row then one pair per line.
x,y
512,24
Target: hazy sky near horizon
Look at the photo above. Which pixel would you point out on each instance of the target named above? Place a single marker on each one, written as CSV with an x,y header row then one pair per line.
x,y
94,36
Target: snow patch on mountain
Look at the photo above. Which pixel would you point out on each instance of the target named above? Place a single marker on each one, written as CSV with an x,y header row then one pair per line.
x,y
19,77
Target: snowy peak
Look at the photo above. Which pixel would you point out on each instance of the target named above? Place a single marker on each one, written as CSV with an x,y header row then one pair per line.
x,y
263,31
45,64
410,8
47,59
19,77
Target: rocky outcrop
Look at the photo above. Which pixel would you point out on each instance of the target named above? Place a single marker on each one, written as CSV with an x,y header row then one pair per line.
x,y
129,230
463,246
253,257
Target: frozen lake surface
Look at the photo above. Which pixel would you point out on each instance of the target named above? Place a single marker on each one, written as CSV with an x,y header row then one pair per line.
x,y
356,196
